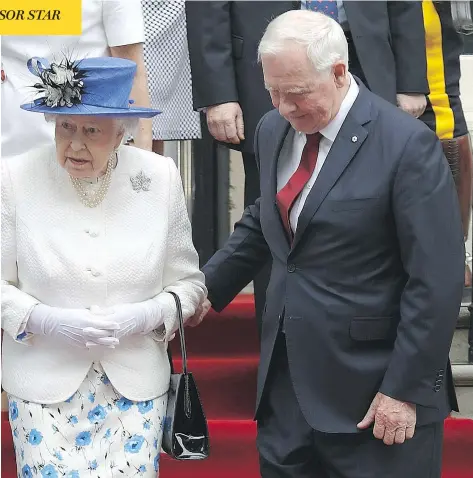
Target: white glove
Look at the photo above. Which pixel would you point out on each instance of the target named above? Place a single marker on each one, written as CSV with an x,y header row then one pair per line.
x,y
78,327
138,318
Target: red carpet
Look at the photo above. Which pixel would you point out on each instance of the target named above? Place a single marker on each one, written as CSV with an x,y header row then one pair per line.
x,y
223,357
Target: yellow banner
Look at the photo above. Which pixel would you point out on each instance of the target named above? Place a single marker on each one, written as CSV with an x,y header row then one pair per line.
x,y
40,17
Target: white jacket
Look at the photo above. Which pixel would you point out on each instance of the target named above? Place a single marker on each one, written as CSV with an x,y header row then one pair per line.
x,y
134,246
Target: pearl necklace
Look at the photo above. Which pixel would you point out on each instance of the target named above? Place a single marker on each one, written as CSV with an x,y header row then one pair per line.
x,y
94,198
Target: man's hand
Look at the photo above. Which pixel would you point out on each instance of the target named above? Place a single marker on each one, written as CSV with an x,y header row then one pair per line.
x,y
414,104
225,122
394,421
199,315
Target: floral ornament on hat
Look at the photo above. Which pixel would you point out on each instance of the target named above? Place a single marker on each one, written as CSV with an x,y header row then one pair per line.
x,y
62,83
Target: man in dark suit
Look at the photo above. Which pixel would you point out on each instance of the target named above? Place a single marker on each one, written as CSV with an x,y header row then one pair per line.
x,y
386,42
359,214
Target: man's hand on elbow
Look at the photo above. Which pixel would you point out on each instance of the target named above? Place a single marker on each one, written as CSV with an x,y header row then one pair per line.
x,y
199,315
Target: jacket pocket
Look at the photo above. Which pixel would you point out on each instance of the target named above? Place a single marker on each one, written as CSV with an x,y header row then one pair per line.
x,y
372,328
237,47
352,204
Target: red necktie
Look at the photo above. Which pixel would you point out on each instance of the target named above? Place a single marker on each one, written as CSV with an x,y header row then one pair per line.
x,y
288,194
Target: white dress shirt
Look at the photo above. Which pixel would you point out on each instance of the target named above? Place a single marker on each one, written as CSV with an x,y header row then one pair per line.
x,y
136,245
291,152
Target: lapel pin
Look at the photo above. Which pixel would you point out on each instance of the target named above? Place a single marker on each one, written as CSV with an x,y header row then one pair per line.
x,y
354,139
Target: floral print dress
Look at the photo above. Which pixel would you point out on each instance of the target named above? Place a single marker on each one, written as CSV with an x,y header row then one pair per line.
x,y
95,433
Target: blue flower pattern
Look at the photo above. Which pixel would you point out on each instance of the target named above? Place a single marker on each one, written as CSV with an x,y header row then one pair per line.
x,y
145,407
79,438
26,472
35,437
73,420
83,439
49,471
58,455
134,444
124,404
97,415
13,409
166,424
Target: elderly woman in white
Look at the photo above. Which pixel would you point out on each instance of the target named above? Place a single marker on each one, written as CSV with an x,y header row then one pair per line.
x,y
94,236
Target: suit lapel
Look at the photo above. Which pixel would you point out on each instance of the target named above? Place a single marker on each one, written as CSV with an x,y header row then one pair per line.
x,y
348,141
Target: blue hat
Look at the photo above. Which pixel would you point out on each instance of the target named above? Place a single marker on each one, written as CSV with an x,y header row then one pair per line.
x,y
93,86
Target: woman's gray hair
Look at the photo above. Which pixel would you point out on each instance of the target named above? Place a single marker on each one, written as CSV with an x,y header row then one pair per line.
x,y
127,126
322,36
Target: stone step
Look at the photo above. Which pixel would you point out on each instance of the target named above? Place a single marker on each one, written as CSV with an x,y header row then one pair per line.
x,y
466,300
463,378
463,317
465,402
459,348
462,374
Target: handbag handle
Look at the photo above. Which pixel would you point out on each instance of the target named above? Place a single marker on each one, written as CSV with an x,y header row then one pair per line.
x,y
187,397
181,332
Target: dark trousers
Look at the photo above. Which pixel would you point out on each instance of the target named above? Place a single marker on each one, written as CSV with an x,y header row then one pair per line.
x,y
252,193
290,448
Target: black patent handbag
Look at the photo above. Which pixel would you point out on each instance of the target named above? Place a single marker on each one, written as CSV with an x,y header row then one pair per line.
x,y
185,435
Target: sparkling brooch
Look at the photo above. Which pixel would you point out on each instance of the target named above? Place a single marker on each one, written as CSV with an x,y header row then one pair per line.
x,y
140,182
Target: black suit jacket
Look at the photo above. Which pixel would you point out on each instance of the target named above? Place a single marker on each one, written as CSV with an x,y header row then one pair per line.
x,y
371,288
223,40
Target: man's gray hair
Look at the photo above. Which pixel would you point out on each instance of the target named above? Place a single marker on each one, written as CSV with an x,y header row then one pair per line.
x,y
127,126
322,36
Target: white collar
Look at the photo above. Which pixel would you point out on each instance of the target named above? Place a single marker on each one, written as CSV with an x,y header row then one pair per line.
x,y
331,130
